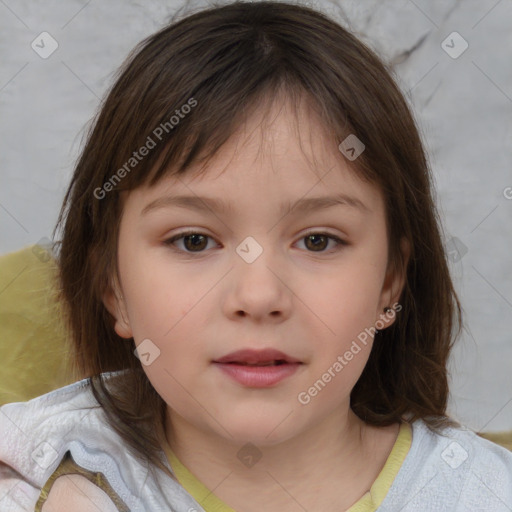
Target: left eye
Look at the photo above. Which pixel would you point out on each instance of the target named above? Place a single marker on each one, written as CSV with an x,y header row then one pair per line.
x,y
318,241
195,242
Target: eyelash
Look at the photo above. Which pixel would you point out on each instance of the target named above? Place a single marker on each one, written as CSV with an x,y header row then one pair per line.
x,y
169,242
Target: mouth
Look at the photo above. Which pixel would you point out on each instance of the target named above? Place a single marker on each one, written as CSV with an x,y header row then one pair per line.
x,y
263,357
258,368
267,363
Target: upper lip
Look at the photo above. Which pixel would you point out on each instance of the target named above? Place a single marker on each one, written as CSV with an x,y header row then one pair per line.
x,y
252,356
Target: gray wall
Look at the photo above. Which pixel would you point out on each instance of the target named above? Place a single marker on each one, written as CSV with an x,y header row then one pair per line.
x,y
462,101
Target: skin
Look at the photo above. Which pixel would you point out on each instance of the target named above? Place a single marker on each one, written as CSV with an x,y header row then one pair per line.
x,y
199,306
76,493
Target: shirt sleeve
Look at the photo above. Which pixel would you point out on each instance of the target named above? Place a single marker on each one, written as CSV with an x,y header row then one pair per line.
x,y
16,494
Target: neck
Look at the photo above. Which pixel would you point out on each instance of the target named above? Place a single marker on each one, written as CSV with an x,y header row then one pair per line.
x,y
339,449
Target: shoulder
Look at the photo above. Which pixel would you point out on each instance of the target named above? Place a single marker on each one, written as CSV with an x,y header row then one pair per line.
x,y
461,466
77,493
461,446
52,412
488,470
55,403
32,432
35,436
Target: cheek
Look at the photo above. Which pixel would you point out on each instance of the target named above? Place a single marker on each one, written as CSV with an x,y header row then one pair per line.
x,y
347,306
158,296
170,309
347,299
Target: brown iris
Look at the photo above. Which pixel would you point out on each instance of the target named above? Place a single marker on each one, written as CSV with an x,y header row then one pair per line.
x,y
316,245
198,242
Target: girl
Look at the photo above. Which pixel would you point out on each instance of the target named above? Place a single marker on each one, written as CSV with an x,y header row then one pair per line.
x,y
257,291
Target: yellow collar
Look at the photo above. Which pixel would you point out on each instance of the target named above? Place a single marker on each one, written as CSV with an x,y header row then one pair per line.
x,y
367,503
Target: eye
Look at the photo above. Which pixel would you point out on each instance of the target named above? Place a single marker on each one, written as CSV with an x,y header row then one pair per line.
x,y
317,241
196,242
193,241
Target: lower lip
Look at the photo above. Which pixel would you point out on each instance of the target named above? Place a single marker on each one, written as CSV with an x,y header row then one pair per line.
x,y
258,376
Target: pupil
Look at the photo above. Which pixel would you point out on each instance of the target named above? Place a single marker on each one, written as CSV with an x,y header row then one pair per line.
x,y
316,246
196,244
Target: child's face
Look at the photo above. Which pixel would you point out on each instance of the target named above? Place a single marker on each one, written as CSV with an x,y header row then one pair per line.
x,y
201,299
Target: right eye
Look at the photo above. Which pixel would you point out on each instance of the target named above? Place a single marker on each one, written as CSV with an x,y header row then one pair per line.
x,y
194,242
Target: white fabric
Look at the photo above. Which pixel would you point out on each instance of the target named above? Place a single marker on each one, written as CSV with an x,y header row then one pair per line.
x,y
454,472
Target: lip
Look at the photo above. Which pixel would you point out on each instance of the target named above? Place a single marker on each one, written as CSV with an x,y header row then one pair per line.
x,y
258,376
252,356
235,365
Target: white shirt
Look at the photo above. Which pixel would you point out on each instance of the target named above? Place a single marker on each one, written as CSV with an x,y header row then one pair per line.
x,y
454,472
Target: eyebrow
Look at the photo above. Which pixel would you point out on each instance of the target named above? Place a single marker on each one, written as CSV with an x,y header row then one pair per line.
x,y
207,204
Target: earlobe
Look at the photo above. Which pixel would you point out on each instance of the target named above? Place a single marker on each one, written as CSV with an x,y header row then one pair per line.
x,y
393,286
114,302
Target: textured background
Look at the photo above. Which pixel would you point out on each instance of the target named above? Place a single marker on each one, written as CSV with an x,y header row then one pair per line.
x,y
462,101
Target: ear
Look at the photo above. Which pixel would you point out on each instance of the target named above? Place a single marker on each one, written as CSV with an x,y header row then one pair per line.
x,y
393,286
115,304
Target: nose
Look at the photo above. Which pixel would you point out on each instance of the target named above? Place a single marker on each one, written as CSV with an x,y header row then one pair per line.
x,y
260,289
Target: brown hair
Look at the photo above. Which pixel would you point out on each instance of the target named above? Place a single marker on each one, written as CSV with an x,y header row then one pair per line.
x,y
229,60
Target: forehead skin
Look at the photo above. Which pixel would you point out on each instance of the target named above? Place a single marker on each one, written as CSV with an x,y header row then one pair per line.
x,y
279,137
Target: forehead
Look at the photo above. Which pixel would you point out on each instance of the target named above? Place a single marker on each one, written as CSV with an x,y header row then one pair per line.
x,y
279,152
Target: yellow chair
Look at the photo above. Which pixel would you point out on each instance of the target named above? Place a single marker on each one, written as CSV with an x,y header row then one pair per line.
x,y
502,438
34,349
34,353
